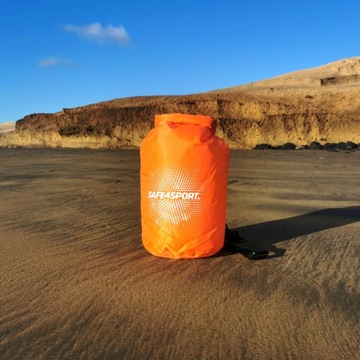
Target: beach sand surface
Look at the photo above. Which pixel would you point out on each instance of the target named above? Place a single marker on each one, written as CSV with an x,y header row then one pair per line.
x,y
76,282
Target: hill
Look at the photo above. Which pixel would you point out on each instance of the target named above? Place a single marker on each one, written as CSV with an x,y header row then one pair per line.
x,y
6,127
319,104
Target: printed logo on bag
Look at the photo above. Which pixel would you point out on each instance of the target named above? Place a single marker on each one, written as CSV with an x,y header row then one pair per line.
x,y
175,196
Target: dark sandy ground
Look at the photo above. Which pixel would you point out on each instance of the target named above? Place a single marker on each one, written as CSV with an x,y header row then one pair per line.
x,y
76,282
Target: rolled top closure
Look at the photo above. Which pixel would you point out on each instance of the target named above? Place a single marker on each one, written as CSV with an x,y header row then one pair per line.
x,y
188,119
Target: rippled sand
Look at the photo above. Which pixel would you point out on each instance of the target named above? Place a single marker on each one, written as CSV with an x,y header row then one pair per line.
x,y
76,282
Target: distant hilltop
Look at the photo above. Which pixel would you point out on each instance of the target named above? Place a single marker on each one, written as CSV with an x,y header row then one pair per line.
x,y
6,127
320,104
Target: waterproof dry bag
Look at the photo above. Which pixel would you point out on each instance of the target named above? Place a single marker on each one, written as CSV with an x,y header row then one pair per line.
x,y
183,176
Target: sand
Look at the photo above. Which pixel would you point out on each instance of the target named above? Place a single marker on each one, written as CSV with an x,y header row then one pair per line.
x,y
76,282
6,127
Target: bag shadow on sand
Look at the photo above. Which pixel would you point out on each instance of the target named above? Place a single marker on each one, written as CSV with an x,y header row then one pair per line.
x,y
257,241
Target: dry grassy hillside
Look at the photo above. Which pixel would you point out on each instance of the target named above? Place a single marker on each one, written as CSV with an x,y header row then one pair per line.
x,y
319,104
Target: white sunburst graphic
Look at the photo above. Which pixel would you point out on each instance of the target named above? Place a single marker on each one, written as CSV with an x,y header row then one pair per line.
x,y
177,210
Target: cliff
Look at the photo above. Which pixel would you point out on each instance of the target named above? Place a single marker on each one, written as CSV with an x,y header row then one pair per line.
x,y
319,104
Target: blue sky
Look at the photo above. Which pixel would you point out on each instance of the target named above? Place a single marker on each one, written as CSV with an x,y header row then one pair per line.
x,y
62,54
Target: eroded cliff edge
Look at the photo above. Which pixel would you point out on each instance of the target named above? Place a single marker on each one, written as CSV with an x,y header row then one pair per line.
x,y
320,104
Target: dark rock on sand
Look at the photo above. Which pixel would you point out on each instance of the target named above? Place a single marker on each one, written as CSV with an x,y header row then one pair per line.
x,y
314,145
288,146
262,147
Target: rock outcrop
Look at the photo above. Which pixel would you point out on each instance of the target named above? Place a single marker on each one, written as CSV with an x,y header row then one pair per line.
x,y
314,105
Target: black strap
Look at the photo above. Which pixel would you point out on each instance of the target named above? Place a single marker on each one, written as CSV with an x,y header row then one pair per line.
x,y
236,244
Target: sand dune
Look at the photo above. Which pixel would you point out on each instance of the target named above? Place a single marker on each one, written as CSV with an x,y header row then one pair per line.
x,y
77,283
6,127
313,77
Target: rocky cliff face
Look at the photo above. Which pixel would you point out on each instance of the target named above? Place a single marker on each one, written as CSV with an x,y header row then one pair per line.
x,y
320,104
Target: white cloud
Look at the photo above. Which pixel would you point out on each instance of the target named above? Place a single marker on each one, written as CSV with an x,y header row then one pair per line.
x,y
96,32
54,61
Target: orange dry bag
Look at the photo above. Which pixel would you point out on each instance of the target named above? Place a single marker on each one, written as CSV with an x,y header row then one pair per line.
x,y
184,170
